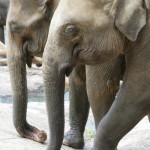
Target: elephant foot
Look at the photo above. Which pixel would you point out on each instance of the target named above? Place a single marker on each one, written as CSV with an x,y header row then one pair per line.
x,y
33,133
73,139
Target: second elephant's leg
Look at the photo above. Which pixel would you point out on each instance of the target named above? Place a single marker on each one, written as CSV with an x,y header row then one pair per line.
x,y
79,108
102,86
127,110
131,104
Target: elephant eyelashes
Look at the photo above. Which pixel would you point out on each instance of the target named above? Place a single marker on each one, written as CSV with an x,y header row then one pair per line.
x,y
14,27
71,30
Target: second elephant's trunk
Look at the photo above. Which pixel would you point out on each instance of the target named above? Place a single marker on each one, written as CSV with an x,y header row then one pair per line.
x,y
54,90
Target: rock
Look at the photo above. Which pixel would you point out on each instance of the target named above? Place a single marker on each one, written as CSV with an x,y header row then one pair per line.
x,y
34,81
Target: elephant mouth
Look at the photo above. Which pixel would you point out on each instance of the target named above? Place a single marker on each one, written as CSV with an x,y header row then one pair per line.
x,y
68,71
35,51
67,67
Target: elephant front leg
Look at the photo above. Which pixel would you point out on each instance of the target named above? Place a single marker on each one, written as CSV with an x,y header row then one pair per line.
x,y
17,67
127,110
102,86
2,37
79,109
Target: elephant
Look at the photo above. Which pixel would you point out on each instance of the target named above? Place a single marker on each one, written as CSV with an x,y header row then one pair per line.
x,y
4,4
94,33
27,35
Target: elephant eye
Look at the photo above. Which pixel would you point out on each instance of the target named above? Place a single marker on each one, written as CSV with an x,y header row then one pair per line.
x,y
14,27
71,30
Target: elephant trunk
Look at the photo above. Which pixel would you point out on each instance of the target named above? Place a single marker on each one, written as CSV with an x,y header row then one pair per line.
x,y
54,80
17,67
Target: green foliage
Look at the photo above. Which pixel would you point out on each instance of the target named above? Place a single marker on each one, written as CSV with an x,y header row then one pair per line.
x,y
89,133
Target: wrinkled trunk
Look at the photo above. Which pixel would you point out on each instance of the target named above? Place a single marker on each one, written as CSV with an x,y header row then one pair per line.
x,y
17,68
54,80
2,39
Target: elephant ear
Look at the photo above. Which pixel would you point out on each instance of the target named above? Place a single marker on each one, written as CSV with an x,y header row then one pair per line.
x,y
130,17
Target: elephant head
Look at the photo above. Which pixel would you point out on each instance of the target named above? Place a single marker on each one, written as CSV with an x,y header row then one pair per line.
x,y
88,32
27,26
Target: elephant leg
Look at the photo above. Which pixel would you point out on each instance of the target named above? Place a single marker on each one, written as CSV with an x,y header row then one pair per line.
x,y
130,106
79,108
102,86
2,37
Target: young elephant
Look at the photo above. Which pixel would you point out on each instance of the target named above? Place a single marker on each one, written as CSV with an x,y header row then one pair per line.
x,y
28,23
27,26
97,32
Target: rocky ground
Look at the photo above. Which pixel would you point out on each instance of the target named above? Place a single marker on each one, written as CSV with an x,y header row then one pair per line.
x,y
137,139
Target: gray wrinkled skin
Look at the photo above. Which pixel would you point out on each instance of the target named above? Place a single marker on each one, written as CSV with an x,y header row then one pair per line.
x,y
97,32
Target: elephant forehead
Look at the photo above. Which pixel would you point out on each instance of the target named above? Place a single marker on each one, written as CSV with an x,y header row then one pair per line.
x,y
79,12
84,5
25,13
79,6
